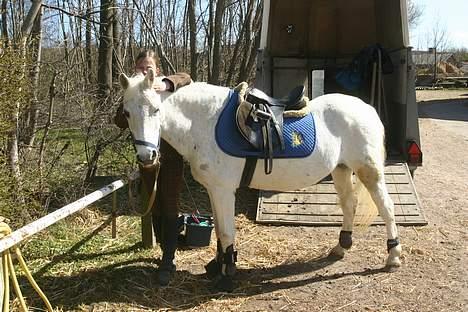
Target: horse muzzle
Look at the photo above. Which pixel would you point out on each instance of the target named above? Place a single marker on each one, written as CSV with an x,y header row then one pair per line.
x,y
149,160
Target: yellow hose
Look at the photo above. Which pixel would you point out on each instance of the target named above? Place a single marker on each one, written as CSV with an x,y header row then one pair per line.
x,y
9,273
6,284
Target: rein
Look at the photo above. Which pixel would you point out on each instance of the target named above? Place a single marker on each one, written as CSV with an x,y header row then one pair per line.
x,y
155,185
153,193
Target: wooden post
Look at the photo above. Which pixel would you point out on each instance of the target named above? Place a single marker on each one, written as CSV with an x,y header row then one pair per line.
x,y
147,234
114,215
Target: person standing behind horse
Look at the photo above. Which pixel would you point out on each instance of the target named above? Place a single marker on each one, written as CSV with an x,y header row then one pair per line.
x,y
166,209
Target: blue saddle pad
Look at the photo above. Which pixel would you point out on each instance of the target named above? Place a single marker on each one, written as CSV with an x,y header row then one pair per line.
x,y
298,133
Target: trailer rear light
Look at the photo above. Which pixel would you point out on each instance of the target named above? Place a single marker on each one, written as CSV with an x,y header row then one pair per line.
x,y
414,154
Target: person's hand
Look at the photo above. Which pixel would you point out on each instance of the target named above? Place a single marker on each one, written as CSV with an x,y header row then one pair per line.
x,y
160,86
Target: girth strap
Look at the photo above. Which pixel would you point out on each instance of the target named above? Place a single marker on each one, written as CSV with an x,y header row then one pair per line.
x,y
248,172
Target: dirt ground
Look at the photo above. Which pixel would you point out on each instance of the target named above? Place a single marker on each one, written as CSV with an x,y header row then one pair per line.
x,y
282,268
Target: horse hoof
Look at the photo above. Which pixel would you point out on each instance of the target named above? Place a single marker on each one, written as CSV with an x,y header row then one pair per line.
x,y
225,284
213,269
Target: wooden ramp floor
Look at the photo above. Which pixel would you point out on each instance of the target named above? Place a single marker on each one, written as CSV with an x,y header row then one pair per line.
x,y
318,204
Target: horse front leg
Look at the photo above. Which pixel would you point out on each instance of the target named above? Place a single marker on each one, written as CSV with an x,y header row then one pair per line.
x,y
223,267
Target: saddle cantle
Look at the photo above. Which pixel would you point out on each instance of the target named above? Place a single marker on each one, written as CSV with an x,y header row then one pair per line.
x,y
291,102
260,120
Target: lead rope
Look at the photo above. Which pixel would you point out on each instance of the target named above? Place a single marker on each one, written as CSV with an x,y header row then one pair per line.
x,y
193,201
152,196
9,271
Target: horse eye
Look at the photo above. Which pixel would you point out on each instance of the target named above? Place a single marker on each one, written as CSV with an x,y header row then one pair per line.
x,y
126,114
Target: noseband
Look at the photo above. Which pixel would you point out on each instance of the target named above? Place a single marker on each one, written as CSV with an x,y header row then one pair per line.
x,y
145,143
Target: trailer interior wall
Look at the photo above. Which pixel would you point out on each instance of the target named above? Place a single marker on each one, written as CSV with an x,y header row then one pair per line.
x,y
307,35
336,28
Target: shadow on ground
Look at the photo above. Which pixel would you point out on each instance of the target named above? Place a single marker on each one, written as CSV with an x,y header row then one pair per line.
x,y
133,283
453,109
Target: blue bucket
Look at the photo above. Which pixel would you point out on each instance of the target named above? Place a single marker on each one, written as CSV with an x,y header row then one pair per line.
x,y
198,230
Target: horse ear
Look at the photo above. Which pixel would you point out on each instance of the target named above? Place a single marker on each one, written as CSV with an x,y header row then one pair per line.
x,y
123,80
149,78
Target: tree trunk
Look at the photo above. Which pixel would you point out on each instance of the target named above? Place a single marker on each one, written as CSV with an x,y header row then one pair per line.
x,y
20,43
33,111
250,46
193,39
117,55
105,50
218,30
5,36
89,53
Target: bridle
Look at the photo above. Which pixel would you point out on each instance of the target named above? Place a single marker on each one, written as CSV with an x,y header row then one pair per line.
x,y
143,143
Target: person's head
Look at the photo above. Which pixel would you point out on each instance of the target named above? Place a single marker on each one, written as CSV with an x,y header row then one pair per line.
x,y
147,59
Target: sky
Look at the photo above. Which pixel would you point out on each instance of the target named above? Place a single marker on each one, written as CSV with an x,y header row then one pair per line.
x,y
451,15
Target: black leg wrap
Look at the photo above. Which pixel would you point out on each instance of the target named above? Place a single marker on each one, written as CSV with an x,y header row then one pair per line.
x,y
392,243
229,259
213,268
346,240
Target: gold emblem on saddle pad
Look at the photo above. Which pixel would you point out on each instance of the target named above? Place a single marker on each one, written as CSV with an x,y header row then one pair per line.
x,y
296,139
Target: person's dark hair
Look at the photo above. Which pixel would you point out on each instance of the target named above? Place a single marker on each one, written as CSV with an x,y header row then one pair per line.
x,y
148,53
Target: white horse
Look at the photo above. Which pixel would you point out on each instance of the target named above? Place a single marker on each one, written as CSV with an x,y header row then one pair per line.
x,y
350,138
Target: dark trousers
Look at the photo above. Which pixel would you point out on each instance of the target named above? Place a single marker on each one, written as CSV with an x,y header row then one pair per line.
x,y
166,207
167,202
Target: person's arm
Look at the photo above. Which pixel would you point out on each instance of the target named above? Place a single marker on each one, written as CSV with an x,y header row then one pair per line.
x,y
176,81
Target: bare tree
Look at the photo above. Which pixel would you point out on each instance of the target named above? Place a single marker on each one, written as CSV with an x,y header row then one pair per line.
x,y
415,13
217,34
105,49
33,111
193,38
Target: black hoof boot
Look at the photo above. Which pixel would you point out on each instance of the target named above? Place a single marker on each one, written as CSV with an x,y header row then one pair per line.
x,y
213,269
165,274
346,239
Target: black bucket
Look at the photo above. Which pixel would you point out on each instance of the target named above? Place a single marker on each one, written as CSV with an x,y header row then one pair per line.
x,y
197,230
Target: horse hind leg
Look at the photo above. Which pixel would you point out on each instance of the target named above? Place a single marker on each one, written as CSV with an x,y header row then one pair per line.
x,y
373,179
342,179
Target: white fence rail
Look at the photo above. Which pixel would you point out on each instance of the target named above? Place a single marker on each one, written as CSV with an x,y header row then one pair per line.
x,y
29,230
44,222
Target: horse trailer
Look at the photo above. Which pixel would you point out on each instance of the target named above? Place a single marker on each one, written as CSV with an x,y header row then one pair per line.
x,y
356,47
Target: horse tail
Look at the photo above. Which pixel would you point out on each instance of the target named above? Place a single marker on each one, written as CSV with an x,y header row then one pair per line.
x,y
366,210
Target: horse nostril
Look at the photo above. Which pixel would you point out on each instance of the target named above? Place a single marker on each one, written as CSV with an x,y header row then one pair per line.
x,y
154,154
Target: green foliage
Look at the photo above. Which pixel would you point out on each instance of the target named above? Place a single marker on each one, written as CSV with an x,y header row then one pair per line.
x,y
14,91
14,95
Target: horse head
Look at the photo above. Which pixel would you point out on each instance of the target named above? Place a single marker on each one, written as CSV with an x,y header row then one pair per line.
x,y
141,106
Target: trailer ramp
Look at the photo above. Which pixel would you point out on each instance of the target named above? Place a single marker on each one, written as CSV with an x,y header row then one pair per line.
x,y
319,205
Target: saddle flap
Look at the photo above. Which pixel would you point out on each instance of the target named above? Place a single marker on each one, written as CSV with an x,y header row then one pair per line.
x,y
246,124
252,120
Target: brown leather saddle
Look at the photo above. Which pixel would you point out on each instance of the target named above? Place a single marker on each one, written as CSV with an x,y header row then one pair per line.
x,y
259,119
